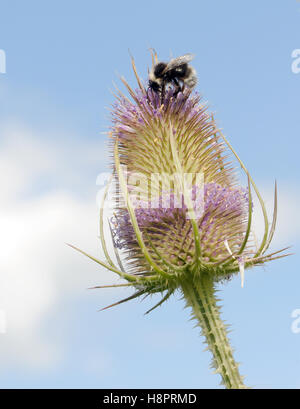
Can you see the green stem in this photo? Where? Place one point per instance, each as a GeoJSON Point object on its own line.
{"type": "Point", "coordinates": [200, 295]}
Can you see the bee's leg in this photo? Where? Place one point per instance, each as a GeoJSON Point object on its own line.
{"type": "Point", "coordinates": [162, 92]}
{"type": "Point", "coordinates": [150, 93]}
{"type": "Point", "coordinates": [178, 87]}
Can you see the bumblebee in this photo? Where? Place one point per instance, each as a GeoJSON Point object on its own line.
{"type": "Point", "coordinates": [177, 73]}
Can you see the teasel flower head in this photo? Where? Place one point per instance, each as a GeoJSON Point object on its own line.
{"type": "Point", "coordinates": [181, 219]}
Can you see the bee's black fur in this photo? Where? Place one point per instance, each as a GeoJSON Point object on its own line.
{"type": "Point", "coordinates": [154, 86]}
{"type": "Point", "coordinates": [174, 76]}
{"type": "Point", "coordinates": [159, 68]}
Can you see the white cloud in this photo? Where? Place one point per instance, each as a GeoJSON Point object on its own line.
{"type": "Point", "coordinates": [56, 162]}
{"type": "Point", "coordinates": [38, 271]}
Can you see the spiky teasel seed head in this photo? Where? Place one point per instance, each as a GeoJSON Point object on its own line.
{"type": "Point", "coordinates": [179, 209]}
{"type": "Point", "coordinates": [168, 232]}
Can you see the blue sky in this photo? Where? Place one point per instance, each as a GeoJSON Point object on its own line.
{"type": "Point", "coordinates": [62, 60]}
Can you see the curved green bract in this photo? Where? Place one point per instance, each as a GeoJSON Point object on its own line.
{"type": "Point", "coordinates": [249, 218]}
{"type": "Point", "coordinates": [102, 239]}
{"type": "Point", "coordinates": [264, 240]}
{"type": "Point", "coordinates": [186, 197]}
{"type": "Point", "coordinates": [134, 222]}
{"type": "Point", "coordinates": [128, 277]}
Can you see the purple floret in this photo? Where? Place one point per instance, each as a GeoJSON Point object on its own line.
{"type": "Point", "coordinates": [223, 206]}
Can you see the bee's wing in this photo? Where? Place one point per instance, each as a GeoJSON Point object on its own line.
{"type": "Point", "coordinates": [176, 62]}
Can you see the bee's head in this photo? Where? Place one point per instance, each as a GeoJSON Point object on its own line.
{"type": "Point", "coordinates": [158, 69]}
